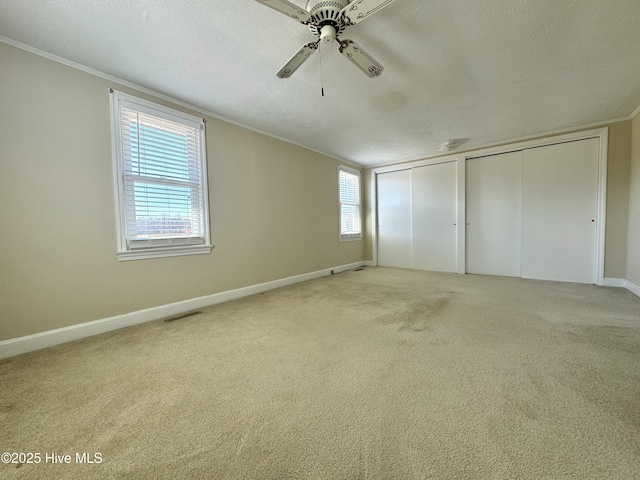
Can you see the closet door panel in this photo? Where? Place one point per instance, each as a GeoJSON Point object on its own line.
{"type": "Point", "coordinates": [494, 210]}
{"type": "Point", "coordinates": [560, 184]}
{"type": "Point", "coordinates": [394, 219]}
{"type": "Point", "coordinates": [434, 209]}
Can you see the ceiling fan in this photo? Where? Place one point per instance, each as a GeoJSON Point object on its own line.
{"type": "Point", "coordinates": [327, 19]}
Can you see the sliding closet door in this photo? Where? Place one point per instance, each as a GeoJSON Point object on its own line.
{"type": "Point", "coordinates": [494, 207]}
{"type": "Point", "coordinates": [394, 219]}
{"type": "Point", "coordinates": [559, 210]}
{"type": "Point", "coordinates": [434, 201]}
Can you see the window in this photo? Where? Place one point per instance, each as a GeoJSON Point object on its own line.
{"type": "Point", "coordinates": [160, 180]}
{"type": "Point", "coordinates": [349, 187]}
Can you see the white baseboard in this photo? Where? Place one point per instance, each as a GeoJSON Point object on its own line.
{"type": "Point", "coordinates": [370, 263]}
{"type": "Point", "coordinates": [632, 287]}
{"type": "Point", "coordinates": [621, 283]}
{"type": "Point", "coordinates": [37, 341]}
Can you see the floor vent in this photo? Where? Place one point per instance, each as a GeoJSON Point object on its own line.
{"type": "Point", "coordinates": [181, 316]}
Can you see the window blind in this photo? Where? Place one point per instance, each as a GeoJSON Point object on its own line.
{"type": "Point", "coordinates": [162, 169]}
{"type": "Point", "coordinates": [349, 183]}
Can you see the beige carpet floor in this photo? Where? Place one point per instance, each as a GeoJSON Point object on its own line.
{"type": "Point", "coordinates": [372, 374]}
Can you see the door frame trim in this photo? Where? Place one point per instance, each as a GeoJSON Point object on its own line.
{"type": "Point", "coordinates": [602, 134]}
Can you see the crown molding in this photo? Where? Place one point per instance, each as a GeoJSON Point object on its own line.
{"type": "Point", "coordinates": [553, 133]}
{"type": "Point", "coordinates": [168, 98]}
{"type": "Point", "coordinates": [209, 113]}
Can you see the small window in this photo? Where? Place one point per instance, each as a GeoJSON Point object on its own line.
{"type": "Point", "coordinates": [160, 180]}
{"type": "Point", "coordinates": [350, 218]}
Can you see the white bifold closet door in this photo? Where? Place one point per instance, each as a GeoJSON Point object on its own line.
{"type": "Point", "coordinates": [417, 218]}
{"type": "Point", "coordinates": [494, 209]}
{"type": "Point", "coordinates": [394, 219]}
{"type": "Point", "coordinates": [434, 202]}
{"type": "Point", "coordinates": [559, 205]}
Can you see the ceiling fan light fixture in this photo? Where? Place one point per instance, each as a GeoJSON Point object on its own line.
{"type": "Point", "coordinates": [328, 34]}
{"type": "Point", "coordinates": [328, 19]}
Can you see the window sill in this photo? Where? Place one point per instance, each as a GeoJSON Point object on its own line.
{"type": "Point", "coordinates": [143, 254]}
{"type": "Point", "coordinates": [351, 239]}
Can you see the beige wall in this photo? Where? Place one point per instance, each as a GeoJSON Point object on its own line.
{"type": "Point", "coordinates": [633, 258]}
{"type": "Point", "coordinates": [618, 167]}
{"type": "Point", "coordinates": [617, 201]}
{"type": "Point", "coordinates": [274, 207]}
{"type": "Point", "coordinates": [368, 229]}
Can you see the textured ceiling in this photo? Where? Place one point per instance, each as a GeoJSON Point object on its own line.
{"type": "Point", "coordinates": [480, 70]}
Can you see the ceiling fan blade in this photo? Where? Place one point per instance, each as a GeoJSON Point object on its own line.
{"type": "Point", "coordinates": [289, 9]}
{"type": "Point", "coordinates": [298, 59]}
{"type": "Point", "coordinates": [357, 11]}
{"type": "Point", "coordinates": [360, 58]}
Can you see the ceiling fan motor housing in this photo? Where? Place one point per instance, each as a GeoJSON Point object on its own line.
{"type": "Point", "coordinates": [327, 13]}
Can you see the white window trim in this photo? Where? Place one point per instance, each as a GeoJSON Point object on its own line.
{"type": "Point", "coordinates": [349, 237]}
{"type": "Point", "coordinates": [124, 252]}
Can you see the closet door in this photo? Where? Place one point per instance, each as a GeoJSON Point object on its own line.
{"type": "Point", "coordinates": [494, 208]}
{"type": "Point", "coordinates": [559, 205]}
{"type": "Point", "coordinates": [394, 219]}
{"type": "Point", "coordinates": [434, 200]}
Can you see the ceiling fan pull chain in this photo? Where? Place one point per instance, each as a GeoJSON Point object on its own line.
{"type": "Point", "coordinates": [327, 20]}
{"type": "Point", "coordinates": [321, 76]}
